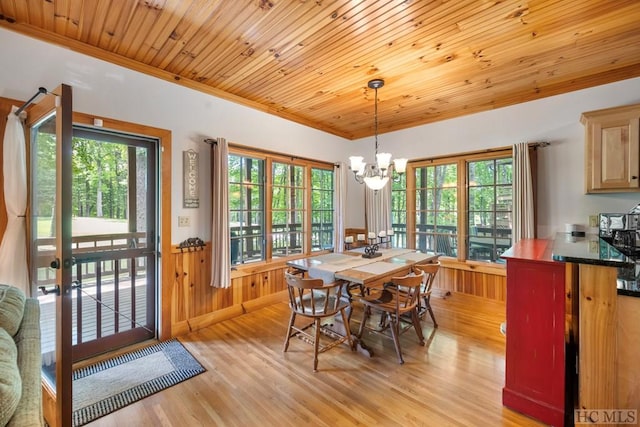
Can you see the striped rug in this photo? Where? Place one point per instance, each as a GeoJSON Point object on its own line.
{"type": "Point", "coordinates": [112, 384]}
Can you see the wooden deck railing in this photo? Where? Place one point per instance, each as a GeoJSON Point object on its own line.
{"type": "Point", "coordinates": [87, 247]}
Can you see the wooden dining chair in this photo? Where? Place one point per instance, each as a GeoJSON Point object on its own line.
{"type": "Point", "coordinates": [314, 300]}
{"type": "Point", "coordinates": [429, 272]}
{"type": "Point", "coordinates": [397, 299]}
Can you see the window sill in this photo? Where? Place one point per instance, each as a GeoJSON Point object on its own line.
{"type": "Point", "coordinates": [243, 270]}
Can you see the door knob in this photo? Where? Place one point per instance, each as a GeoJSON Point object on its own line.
{"type": "Point", "coordinates": [53, 290]}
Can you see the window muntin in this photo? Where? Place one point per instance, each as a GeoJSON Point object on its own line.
{"type": "Point", "coordinates": [490, 217]}
{"type": "Point", "coordinates": [436, 208]}
{"type": "Point", "coordinates": [287, 209]}
{"type": "Point", "coordinates": [322, 213]}
{"type": "Point", "coordinates": [246, 208]}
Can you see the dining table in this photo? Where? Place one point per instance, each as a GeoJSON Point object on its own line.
{"type": "Point", "coordinates": [361, 272]}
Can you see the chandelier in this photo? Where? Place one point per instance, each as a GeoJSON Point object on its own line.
{"type": "Point", "coordinates": [376, 175]}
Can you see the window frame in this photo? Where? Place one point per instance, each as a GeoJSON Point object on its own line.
{"type": "Point", "coordinates": [399, 210]}
{"type": "Point", "coordinates": [270, 157]}
{"type": "Point", "coordinates": [462, 161]}
{"type": "Point", "coordinates": [242, 248]}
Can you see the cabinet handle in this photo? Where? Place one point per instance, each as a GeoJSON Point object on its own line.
{"type": "Point", "coordinates": [634, 177]}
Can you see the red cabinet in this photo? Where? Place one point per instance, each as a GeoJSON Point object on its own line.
{"type": "Point", "coordinates": [535, 354]}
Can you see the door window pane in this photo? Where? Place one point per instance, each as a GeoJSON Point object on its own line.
{"type": "Point", "coordinates": [399, 210]}
{"type": "Point", "coordinates": [322, 213]}
{"type": "Point", "coordinates": [490, 208]}
{"type": "Point", "coordinates": [437, 208]}
{"type": "Point", "coordinates": [287, 209]}
{"type": "Point", "coordinates": [246, 208]}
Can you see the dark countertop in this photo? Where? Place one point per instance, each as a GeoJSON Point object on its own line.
{"type": "Point", "coordinates": [591, 249]}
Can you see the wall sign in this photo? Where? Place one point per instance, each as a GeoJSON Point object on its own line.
{"type": "Point", "coordinates": [191, 191]}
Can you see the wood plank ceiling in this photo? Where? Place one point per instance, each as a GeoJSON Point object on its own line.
{"type": "Point", "coordinates": [310, 60]}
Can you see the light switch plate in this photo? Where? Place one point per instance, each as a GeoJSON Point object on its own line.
{"type": "Point", "coordinates": [184, 221]}
{"type": "Point", "coordinates": [593, 220]}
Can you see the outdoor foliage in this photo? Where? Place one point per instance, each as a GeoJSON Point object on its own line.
{"type": "Point", "coordinates": [100, 174]}
{"type": "Point", "coordinates": [490, 192]}
{"type": "Point", "coordinates": [100, 177]}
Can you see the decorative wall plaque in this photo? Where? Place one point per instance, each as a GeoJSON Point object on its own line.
{"type": "Point", "coordinates": [191, 191]}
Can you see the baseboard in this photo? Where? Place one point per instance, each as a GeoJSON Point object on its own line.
{"type": "Point", "coordinates": [199, 322]}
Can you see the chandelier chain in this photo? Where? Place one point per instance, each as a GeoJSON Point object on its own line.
{"type": "Point", "coordinates": [375, 119]}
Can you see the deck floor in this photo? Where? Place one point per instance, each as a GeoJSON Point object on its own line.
{"type": "Point", "coordinates": [90, 308]}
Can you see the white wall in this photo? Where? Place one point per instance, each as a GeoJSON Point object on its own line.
{"type": "Point", "coordinates": [555, 119]}
{"type": "Point", "coordinates": [111, 91]}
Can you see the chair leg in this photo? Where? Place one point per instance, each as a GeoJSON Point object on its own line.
{"type": "Point", "coordinates": [395, 332]}
{"type": "Point", "coordinates": [417, 326]}
{"type": "Point", "coordinates": [433, 318]}
{"type": "Point", "coordinates": [316, 345]}
{"type": "Point", "coordinates": [291, 321]}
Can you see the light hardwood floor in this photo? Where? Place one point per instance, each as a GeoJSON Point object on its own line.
{"type": "Point", "coordinates": [455, 380]}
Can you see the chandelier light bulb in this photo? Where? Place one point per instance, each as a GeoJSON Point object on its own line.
{"type": "Point", "coordinates": [400, 165]}
{"type": "Point", "coordinates": [383, 160]}
{"type": "Point", "coordinates": [376, 182]}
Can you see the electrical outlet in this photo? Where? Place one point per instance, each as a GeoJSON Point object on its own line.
{"type": "Point", "coordinates": [594, 246]}
{"type": "Point", "coordinates": [184, 221]}
{"type": "Point", "coordinates": [593, 220]}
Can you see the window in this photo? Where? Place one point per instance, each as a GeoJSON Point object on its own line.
{"type": "Point", "coordinates": [246, 208]}
{"type": "Point", "coordinates": [459, 206]}
{"type": "Point", "coordinates": [278, 206]}
{"type": "Point", "coordinates": [489, 202]}
{"type": "Point", "coordinates": [287, 209]}
{"type": "Point", "coordinates": [399, 210]}
{"type": "Point", "coordinates": [321, 209]}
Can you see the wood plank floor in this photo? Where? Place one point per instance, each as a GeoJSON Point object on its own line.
{"type": "Point", "coordinates": [455, 380]}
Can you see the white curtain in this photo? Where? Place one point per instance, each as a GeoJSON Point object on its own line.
{"type": "Point", "coordinates": [523, 207]}
{"type": "Point", "coordinates": [13, 250]}
{"type": "Point", "coordinates": [377, 205]}
{"type": "Point", "coordinates": [220, 239]}
{"type": "Point", "coordinates": [339, 203]}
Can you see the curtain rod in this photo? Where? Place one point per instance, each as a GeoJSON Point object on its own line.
{"type": "Point", "coordinates": [539, 144]}
{"type": "Point", "coordinates": [213, 141]}
{"type": "Point", "coordinates": [41, 90]}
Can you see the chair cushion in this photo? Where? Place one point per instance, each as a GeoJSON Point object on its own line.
{"type": "Point", "coordinates": [11, 308]}
{"type": "Point", "coordinates": [10, 381]}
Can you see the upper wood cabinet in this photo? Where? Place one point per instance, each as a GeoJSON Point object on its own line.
{"type": "Point", "coordinates": [612, 149]}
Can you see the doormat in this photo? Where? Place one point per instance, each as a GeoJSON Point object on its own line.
{"type": "Point", "coordinates": [107, 386]}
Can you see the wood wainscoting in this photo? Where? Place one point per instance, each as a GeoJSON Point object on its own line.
{"type": "Point", "coordinates": [195, 304]}
{"type": "Point", "coordinates": [479, 279]}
